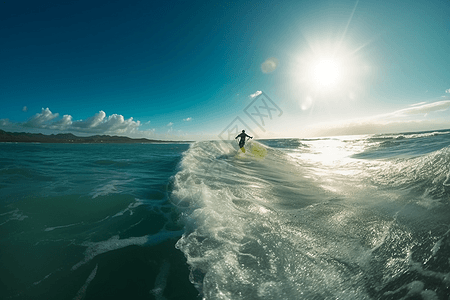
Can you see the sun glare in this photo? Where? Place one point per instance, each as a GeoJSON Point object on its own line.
{"type": "Point", "coordinates": [326, 73]}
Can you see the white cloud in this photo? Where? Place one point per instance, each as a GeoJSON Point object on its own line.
{"type": "Point", "coordinates": [5, 122]}
{"type": "Point", "coordinates": [374, 126]}
{"type": "Point", "coordinates": [117, 123]}
{"type": "Point", "coordinates": [24, 109]}
{"type": "Point", "coordinates": [114, 123]}
{"type": "Point", "coordinates": [91, 122]}
{"type": "Point", "coordinates": [98, 123]}
{"type": "Point", "coordinates": [42, 119]}
{"type": "Point", "coordinates": [65, 122]}
{"type": "Point", "coordinates": [256, 94]}
{"type": "Point", "coordinates": [415, 118]}
{"type": "Point", "coordinates": [416, 104]}
{"type": "Point", "coordinates": [447, 91]}
{"type": "Point", "coordinates": [422, 109]}
{"type": "Point", "coordinates": [187, 119]}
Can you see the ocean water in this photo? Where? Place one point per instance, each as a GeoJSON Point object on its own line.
{"type": "Point", "coordinates": [90, 221]}
{"type": "Point", "coordinates": [359, 217]}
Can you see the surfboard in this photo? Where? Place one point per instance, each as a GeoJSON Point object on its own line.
{"type": "Point", "coordinates": [243, 149]}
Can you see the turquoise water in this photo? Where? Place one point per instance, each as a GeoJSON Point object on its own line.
{"type": "Point", "coordinates": [73, 216]}
{"type": "Point", "coordinates": [360, 217]}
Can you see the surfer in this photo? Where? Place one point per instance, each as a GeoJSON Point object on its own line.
{"type": "Point", "coordinates": [242, 135]}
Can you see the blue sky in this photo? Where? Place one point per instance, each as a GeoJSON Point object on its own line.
{"type": "Point", "coordinates": [188, 69]}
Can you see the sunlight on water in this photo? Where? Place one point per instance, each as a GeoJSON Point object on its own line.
{"type": "Point", "coordinates": [312, 220]}
{"type": "Point", "coordinates": [364, 217]}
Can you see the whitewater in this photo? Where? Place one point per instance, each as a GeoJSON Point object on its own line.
{"type": "Point", "coordinates": [361, 217]}
{"type": "Point", "coordinates": [354, 217]}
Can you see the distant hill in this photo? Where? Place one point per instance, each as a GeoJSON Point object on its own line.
{"type": "Point", "coordinates": [69, 138]}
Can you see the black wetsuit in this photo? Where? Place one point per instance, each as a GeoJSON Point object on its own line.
{"type": "Point", "coordinates": [243, 135]}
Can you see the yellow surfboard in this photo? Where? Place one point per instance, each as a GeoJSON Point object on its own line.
{"type": "Point", "coordinates": [243, 149]}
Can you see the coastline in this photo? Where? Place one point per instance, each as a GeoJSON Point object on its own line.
{"type": "Point", "coordinates": [69, 138]}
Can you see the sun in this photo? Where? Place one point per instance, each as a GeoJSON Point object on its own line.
{"type": "Point", "coordinates": [326, 73]}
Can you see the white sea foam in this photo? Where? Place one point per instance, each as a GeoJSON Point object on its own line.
{"type": "Point", "coordinates": [96, 248]}
{"type": "Point", "coordinates": [112, 187]}
{"type": "Point", "coordinates": [327, 218]}
{"type": "Point", "coordinates": [298, 225]}
{"type": "Point", "coordinates": [161, 281]}
{"type": "Point", "coordinates": [39, 281]}
{"type": "Point", "coordinates": [16, 215]}
{"type": "Point", "coordinates": [240, 237]}
{"type": "Point", "coordinates": [130, 208]}
{"type": "Point", "coordinates": [59, 227]}
{"type": "Point", "coordinates": [82, 291]}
